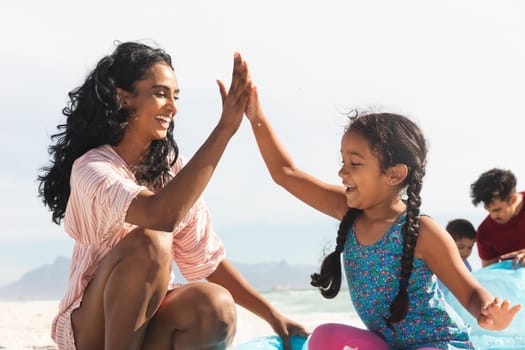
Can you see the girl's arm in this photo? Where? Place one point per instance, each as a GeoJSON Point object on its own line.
{"type": "Point", "coordinates": [163, 210]}
{"type": "Point", "coordinates": [244, 295]}
{"type": "Point", "coordinates": [438, 250]}
{"type": "Point", "coordinates": [327, 198]}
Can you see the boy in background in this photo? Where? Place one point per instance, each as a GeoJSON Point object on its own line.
{"type": "Point", "coordinates": [464, 234]}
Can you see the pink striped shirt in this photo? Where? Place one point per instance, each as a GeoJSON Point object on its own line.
{"type": "Point", "coordinates": [102, 188]}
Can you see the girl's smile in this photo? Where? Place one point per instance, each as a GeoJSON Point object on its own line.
{"type": "Point", "coordinates": [360, 172]}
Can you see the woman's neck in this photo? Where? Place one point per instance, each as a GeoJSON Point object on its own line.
{"type": "Point", "coordinates": [132, 151]}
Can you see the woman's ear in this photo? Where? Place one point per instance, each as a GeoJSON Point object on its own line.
{"type": "Point", "coordinates": [123, 96]}
{"type": "Point", "coordinates": [397, 174]}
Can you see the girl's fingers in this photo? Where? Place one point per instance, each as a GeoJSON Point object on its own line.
{"type": "Point", "coordinates": [497, 301]}
{"type": "Point", "coordinates": [514, 310]}
{"type": "Point", "coordinates": [505, 305]}
{"type": "Point", "coordinates": [222, 90]}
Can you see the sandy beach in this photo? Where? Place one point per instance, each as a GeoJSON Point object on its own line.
{"type": "Point", "coordinates": [26, 324]}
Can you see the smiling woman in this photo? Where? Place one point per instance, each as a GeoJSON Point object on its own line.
{"type": "Point", "coordinates": [152, 105]}
{"type": "Point", "coordinates": [132, 206]}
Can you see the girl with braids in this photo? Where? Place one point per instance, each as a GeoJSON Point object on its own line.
{"type": "Point", "coordinates": [132, 206]}
{"type": "Point", "coordinates": [391, 253]}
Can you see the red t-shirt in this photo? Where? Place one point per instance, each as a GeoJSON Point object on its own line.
{"type": "Point", "coordinates": [495, 239]}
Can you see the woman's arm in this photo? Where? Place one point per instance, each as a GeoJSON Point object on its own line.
{"type": "Point", "coordinates": [329, 199]}
{"type": "Point", "coordinates": [246, 296]}
{"type": "Point", "coordinates": [438, 250]}
{"type": "Point", "coordinates": [163, 210]}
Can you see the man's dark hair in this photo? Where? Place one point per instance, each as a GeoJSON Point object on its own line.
{"type": "Point", "coordinates": [493, 184]}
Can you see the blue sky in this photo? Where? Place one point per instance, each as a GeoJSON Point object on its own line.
{"type": "Point", "coordinates": [455, 67]}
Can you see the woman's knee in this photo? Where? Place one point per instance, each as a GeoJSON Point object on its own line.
{"type": "Point", "coordinates": [151, 250]}
{"type": "Point", "coordinates": [200, 314]}
{"type": "Point", "coordinates": [217, 312]}
{"type": "Point", "coordinates": [213, 314]}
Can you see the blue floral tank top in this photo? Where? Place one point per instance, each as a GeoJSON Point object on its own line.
{"type": "Point", "coordinates": [373, 280]}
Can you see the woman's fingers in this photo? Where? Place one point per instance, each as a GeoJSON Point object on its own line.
{"type": "Point", "coordinates": [239, 76]}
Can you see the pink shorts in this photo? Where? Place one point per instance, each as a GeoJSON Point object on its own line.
{"type": "Point", "coordinates": [333, 336]}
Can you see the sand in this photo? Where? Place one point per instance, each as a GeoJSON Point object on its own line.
{"type": "Point", "coordinates": [26, 325]}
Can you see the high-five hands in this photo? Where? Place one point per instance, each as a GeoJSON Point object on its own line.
{"type": "Point", "coordinates": [234, 100]}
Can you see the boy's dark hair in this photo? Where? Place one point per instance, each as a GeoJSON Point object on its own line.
{"type": "Point", "coordinates": [493, 184]}
{"type": "Point", "coordinates": [461, 228]}
{"type": "Point", "coordinates": [394, 139]}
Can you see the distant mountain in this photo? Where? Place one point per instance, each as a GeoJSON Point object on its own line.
{"type": "Point", "coordinates": [49, 282]}
{"type": "Point", "coordinates": [46, 282]}
{"type": "Point", "coordinates": [277, 275]}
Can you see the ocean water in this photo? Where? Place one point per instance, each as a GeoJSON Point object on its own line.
{"type": "Point", "coordinates": [307, 307]}
{"type": "Point", "coordinates": [310, 301]}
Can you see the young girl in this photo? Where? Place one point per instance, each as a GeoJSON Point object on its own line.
{"type": "Point", "coordinates": [132, 206]}
{"type": "Point", "coordinates": [390, 251]}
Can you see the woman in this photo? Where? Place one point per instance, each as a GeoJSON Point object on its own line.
{"type": "Point", "coordinates": [132, 206]}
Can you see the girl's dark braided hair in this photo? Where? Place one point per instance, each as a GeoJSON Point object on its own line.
{"type": "Point", "coordinates": [394, 139]}
{"type": "Point", "coordinates": [95, 117]}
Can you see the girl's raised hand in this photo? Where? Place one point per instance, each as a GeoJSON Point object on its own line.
{"type": "Point", "coordinates": [497, 315]}
{"type": "Point", "coordinates": [253, 107]}
{"type": "Point", "coordinates": [234, 100]}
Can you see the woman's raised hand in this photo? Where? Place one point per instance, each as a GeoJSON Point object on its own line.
{"type": "Point", "coordinates": [234, 100]}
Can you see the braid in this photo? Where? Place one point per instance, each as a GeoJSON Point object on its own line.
{"type": "Point", "coordinates": [410, 233]}
{"type": "Point", "coordinates": [329, 279]}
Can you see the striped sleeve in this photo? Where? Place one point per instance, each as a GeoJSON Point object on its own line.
{"type": "Point", "coordinates": [100, 198]}
{"type": "Point", "coordinates": [197, 249]}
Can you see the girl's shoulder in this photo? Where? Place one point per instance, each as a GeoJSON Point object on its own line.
{"type": "Point", "coordinates": [428, 227]}
{"type": "Point", "coordinates": [431, 235]}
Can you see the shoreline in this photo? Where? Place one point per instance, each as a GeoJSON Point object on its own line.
{"type": "Point", "coordinates": [26, 324]}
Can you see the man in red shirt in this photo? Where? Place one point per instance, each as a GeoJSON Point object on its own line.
{"type": "Point", "coordinates": [501, 235]}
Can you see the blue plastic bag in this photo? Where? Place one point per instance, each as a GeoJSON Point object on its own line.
{"type": "Point", "coordinates": [503, 281]}
{"type": "Point", "coordinates": [272, 342]}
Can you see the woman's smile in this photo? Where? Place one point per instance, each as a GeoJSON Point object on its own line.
{"type": "Point", "coordinates": [164, 121]}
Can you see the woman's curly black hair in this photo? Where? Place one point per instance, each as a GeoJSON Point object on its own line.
{"type": "Point", "coordinates": [95, 117]}
{"type": "Point", "coordinates": [394, 139]}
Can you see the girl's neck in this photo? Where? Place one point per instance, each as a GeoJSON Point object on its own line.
{"type": "Point", "coordinates": [385, 213]}
{"type": "Point", "coordinates": [372, 225]}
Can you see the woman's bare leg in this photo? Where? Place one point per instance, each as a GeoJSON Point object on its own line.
{"type": "Point", "coordinates": [199, 315]}
{"type": "Point", "coordinates": [125, 293]}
